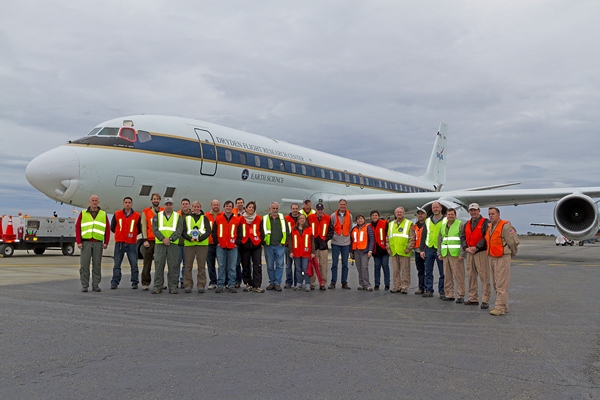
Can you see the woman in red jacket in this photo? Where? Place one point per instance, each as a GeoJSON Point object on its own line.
{"type": "Point", "coordinates": [249, 239]}
{"type": "Point", "coordinates": [301, 250]}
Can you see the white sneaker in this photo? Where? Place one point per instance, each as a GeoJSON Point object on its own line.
{"type": "Point", "coordinates": [212, 286]}
{"type": "Point", "coordinates": [307, 288]}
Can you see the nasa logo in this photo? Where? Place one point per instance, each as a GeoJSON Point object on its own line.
{"type": "Point", "coordinates": [440, 154]}
{"type": "Point", "coordinates": [245, 174]}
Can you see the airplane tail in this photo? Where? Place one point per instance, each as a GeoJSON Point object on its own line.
{"type": "Point", "coordinates": [436, 169]}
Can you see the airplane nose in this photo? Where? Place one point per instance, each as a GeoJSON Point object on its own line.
{"type": "Point", "coordinates": [55, 173]}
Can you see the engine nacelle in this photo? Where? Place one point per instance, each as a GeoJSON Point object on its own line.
{"type": "Point", "coordinates": [576, 217]}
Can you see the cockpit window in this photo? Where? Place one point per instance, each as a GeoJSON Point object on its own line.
{"type": "Point", "coordinates": [109, 132]}
{"type": "Point", "coordinates": [127, 134]}
{"type": "Point", "coordinates": [94, 131]}
{"type": "Point", "coordinates": [144, 136]}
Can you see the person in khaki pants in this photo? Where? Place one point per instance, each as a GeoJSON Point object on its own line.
{"type": "Point", "coordinates": [319, 222]}
{"type": "Point", "coordinates": [502, 242]}
{"type": "Point", "coordinates": [196, 231]}
{"type": "Point", "coordinates": [453, 257]}
{"type": "Point", "coordinates": [472, 239]}
{"type": "Point", "coordinates": [401, 240]}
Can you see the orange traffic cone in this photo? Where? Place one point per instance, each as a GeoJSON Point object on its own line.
{"type": "Point", "coordinates": [9, 235]}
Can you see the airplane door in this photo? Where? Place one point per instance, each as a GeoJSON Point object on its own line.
{"type": "Point", "coordinates": [208, 152]}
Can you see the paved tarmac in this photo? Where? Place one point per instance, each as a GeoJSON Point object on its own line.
{"type": "Point", "coordinates": [57, 342]}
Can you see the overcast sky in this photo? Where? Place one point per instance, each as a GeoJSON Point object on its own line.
{"type": "Point", "coordinates": [517, 82]}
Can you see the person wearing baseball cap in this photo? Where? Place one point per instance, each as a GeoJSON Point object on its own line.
{"type": "Point", "coordinates": [306, 207]}
{"type": "Point", "coordinates": [167, 228]}
{"type": "Point", "coordinates": [419, 260]}
{"type": "Point", "coordinates": [322, 232]}
{"type": "Point", "coordinates": [472, 240]}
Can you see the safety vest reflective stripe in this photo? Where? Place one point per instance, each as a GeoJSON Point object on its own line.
{"type": "Point", "coordinates": [267, 228]}
{"type": "Point", "coordinates": [450, 238]}
{"type": "Point", "coordinates": [433, 231]}
{"type": "Point", "coordinates": [162, 219]}
{"type": "Point", "coordinates": [398, 237]}
{"type": "Point", "coordinates": [393, 232]}
{"type": "Point", "coordinates": [254, 235]}
{"type": "Point", "coordinates": [301, 251]}
{"type": "Point", "coordinates": [131, 225]}
{"type": "Point", "coordinates": [323, 230]}
{"type": "Point", "coordinates": [221, 230]}
{"type": "Point", "coordinates": [296, 241]}
{"type": "Point", "coordinates": [190, 224]}
{"type": "Point", "coordinates": [360, 237]}
{"type": "Point", "coordinates": [167, 226]}
{"type": "Point", "coordinates": [319, 227]}
{"type": "Point", "coordinates": [227, 231]}
{"type": "Point", "coordinates": [93, 228]}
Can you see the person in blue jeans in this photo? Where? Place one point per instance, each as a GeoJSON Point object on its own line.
{"type": "Point", "coordinates": [275, 238]}
{"type": "Point", "coordinates": [290, 269]}
{"type": "Point", "coordinates": [381, 258]}
{"type": "Point", "coordinates": [224, 234]}
{"type": "Point", "coordinates": [431, 232]}
{"type": "Point", "coordinates": [341, 225]}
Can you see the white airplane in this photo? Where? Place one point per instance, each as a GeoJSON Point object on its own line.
{"type": "Point", "coordinates": [185, 158]}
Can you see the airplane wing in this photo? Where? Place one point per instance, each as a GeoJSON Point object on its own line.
{"type": "Point", "coordinates": [461, 198]}
{"type": "Point", "coordinates": [576, 214]}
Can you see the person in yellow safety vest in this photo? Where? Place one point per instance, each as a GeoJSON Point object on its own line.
{"type": "Point", "coordinates": [429, 250]}
{"type": "Point", "coordinates": [400, 243]}
{"type": "Point", "coordinates": [92, 234]}
{"type": "Point", "coordinates": [307, 207]}
{"type": "Point", "coordinates": [276, 236]}
{"type": "Point", "coordinates": [195, 234]}
{"type": "Point", "coordinates": [167, 227]}
{"type": "Point", "coordinates": [453, 256]}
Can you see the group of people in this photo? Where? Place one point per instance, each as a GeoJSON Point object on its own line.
{"type": "Point", "coordinates": [229, 244]}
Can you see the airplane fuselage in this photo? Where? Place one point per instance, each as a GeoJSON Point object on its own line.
{"type": "Point", "coordinates": [187, 158]}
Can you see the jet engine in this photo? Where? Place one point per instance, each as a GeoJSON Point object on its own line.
{"type": "Point", "coordinates": [576, 217]}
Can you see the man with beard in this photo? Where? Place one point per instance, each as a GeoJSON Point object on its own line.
{"type": "Point", "coordinates": [148, 235]}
